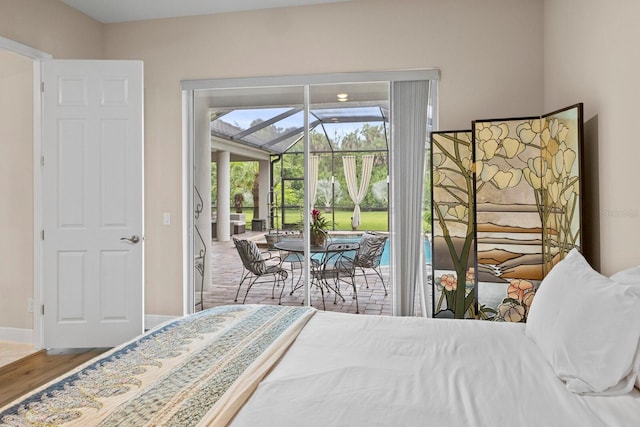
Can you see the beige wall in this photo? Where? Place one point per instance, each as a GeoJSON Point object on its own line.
{"type": "Point", "coordinates": [490, 54]}
{"type": "Point", "coordinates": [16, 190]}
{"type": "Point", "coordinates": [498, 58]}
{"type": "Point", "coordinates": [591, 55]}
{"type": "Point", "coordinates": [52, 27]}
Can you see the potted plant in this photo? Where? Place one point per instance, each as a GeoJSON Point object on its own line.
{"type": "Point", "coordinates": [318, 228]}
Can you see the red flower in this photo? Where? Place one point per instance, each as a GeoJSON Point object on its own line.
{"type": "Point", "coordinates": [318, 222]}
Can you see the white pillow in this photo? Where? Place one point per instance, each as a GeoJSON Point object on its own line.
{"type": "Point", "coordinates": [630, 276]}
{"type": "Point", "coordinates": [587, 327]}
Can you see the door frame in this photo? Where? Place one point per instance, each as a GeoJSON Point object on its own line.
{"type": "Point", "coordinates": [37, 56]}
{"type": "Point", "coordinates": [189, 87]}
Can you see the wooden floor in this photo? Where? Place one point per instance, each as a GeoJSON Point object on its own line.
{"type": "Point", "coordinates": [37, 369]}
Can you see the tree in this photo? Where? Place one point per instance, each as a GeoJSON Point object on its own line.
{"type": "Point", "coordinates": [380, 191]}
{"type": "Point", "coordinates": [326, 196]}
{"type": "Point", "coordinates": [242, 178]}
{"type": "Point", "coordinates": [366, 139]}
{"type": "Point", "coordinates": [214, 184]}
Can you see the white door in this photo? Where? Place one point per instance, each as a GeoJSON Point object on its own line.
{"type": "Point", "coordinates": [92, 202]}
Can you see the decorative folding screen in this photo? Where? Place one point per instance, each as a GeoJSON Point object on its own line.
{"type": "Point", "coordinates": [527, 208]}
{"type": "Point", "coordinates": [453, 231]}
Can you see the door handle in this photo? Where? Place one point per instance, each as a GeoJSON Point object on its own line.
{"type": "Point", "coordinates": [133, 239]}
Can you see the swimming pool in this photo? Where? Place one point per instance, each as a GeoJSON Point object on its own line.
{"type": "Point", "coordinates": [385, 254]}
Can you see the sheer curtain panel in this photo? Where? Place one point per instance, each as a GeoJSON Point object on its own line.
{"type": "Point", "coordinates": [313, 179]}
{"type": "Point", "coordinates": [357, 194]}
{"type": "Point", "coordinates": [409, 102]}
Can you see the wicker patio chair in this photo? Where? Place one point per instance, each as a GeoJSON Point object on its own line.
{"type": "Point", "coordinates": [336, 266]}
{"type": "Point", "coordinates": [256, 266]}
{"type": "Point", "coordinates": [369, 255]}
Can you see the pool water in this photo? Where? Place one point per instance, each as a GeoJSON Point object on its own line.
{"type": "Point", "coordinates": [385, 254]}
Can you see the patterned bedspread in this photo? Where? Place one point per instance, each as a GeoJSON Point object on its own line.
{"type": "Point", "coordinates": [180, 374]}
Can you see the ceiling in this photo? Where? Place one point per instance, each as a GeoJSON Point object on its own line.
{"type": "Point", "coordinates": [111, 11]}
{"type": "Point", "coordinates": [272, 118]}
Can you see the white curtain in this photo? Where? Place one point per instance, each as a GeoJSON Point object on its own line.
{"type": "Point", "coordinates": [409, 101]}
{"type": "Point", "coordinates": [357, 194]}
{"type": "Point", "coordinates": [313, 180]}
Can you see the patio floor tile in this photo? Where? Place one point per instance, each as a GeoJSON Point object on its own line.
{"type": "Point", "coordinates": [227, 272]}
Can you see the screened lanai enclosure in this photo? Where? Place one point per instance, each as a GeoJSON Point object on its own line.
{"type": "Point", "coordinates": [266, 152]}
{"type": "Point", "coordinates": [349, 144]}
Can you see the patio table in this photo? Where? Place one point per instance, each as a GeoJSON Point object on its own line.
{"type": "Point", "coordinates": [331, 253]}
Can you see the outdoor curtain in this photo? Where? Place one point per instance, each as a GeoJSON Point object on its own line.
{"type": "Point", "coordinates": [357, 194]}
{"type": "Point", "coordinates": [313, 180]}
{"type": "Point", "coordinates": [407, 166]}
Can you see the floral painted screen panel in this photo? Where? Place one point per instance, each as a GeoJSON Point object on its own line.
{"type": "Point", "coordinates": [509, 222]}
{"type": "Point", "coordinates": [527, 206]}
{"type": "Point", "coordinates": [561, 139]}
{"type": "Point", "coordinates": [453, 232]}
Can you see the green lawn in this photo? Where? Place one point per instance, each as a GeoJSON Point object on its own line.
{"type": "Point", "coordinates": [369, 220]}
{"type": "Point", "coordinates": [375, 221]}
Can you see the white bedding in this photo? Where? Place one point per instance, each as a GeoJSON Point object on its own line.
{"type": "Point", "coordinates": [347, 370]}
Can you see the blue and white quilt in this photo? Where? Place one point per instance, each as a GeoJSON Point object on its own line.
{"type": "Point", "coordinates": [196, 370]}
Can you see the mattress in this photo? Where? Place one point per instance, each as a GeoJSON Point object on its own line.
{"type": "Point", "coordinates": [349, 370]}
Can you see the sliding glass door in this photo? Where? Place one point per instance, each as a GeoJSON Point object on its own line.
{"type": "Point", "coordinates": [271, 159]}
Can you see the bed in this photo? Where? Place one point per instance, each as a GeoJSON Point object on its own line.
{"type": "Point", "coordinates": [253, 365]}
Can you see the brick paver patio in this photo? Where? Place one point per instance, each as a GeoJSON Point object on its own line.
{"type": "Point", "coordinates": [227, 271]}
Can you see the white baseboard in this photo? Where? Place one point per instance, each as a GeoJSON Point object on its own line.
{"type": "Point", "coordinates": [26, 335]}
{"type": "Point", "coordinates": [16, 335]}
{"type": "Point", "coordinates": [153, 320]}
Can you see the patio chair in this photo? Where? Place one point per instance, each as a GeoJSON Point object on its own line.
{"type": "Point", "coordinates": [337, 265]}
{"type": "Point", "coordinates": [369, 255]}
{"type": "Point", "coordinates": [255, 266]}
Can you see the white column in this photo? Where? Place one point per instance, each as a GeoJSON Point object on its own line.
{"type": "Point", "coordinates": [224, 195]}
{"type": "Point", "coordinates": [265, 185]}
